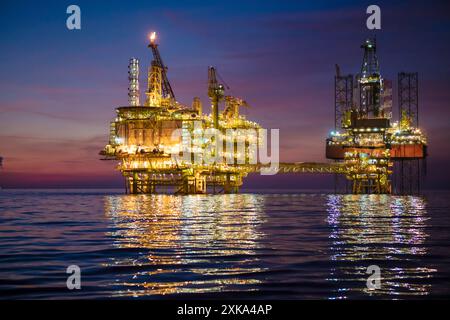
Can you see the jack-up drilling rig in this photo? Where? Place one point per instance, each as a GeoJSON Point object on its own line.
{"type": "Point", "coordinates": [366, 141]}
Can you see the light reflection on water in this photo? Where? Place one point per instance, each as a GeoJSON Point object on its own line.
{"type": "Point", "coordinates": [381, 230]}
{"type": "Point", "coordinates": [210, 244]}
{"type": "Point", "coordinates": [270, 246]}
{"type": "Point", "coordinates": [189, 240]}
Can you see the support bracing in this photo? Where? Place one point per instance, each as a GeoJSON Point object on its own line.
{"type": "Point", "coordinates": [408, 175]}
{"type": "Point", "coordinates": [343, 98]}
{"type": "Point", "coordinates": [408, 97]}
{"type": "Point", "coordinates": [408, 172]}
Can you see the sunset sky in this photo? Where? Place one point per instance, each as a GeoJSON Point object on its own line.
{"type": "Point", "coordinates": [59, 88]}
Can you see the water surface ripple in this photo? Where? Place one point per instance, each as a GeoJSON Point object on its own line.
{"type": "Point", "coordinates": [292, 246]}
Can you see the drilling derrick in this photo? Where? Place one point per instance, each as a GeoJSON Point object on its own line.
{"type": "Point", "coordinates": [369, 160]}
{"type": "Point", "coordinates": [359, 138]}
{"type": "Point", "coordinates": [369, 81]}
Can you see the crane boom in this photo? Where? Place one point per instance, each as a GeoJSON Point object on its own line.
{"type": "Point", "coordinates": [157, 60]}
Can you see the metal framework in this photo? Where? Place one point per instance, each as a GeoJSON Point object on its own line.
{"type": "Point", "coordinates": [386, 99]}
{"type": "Point", "coordinates": [183, 180]}
{"type": "Point", "coordinates": [133, 78]}
{"type": "Point", "coordinates": [215, 93]}
{"type": "Point", "coordinates": [370, 81]}
{"type": "Point", "coordinates": [408, 172]}
{"type": "Point", "coordinates": [343, 104]}
{"type": "Point", "coordinates": [343, 98]}
{"type": "Point", "coordinates": [167, 91]}
{"type": "Point", "coordinates": [407, 176]}
{"type": "Point", "coordinates": [366, 141]}
{"type": "Point", "coordinates": [408, 96]}
{"type": "Point", "coordinates": [363, 145]}
{"type": "Point", "coordinates": [154, 92]}
{"type": "Point", "coordinates": [303, 167]}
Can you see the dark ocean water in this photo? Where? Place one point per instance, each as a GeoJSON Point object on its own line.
{"type": "Point", "coordinates": [292, 245]}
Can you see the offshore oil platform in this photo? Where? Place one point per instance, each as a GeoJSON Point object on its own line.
{"type": "Point", "coordinates": [364, 145]}
{"type": "Point", "coordinates": [141, 136]}
{"type": "Point", "coordinates": [381, 156]}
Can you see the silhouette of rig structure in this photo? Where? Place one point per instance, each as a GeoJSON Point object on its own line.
{"type": "Point", "coordinates": [365, 147]}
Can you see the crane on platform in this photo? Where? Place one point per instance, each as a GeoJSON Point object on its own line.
{"type": "Point", "coordinates": [232, 105]}
{"type": "Point", "coordinates": [216, 92]}
{"type": "Point", "coordinates": [166, 88]}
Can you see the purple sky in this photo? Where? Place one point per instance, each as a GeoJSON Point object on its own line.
{"type": "Point", "coordinates": [59, 88]}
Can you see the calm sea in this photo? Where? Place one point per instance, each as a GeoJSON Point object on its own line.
{"type": "Point", "coordinates": [296, 245]}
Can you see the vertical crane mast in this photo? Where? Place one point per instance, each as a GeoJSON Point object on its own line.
{"type": "Point", "coordinates": [167, 91]}
{"type": "Point", "coordinates": [215, 93]}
